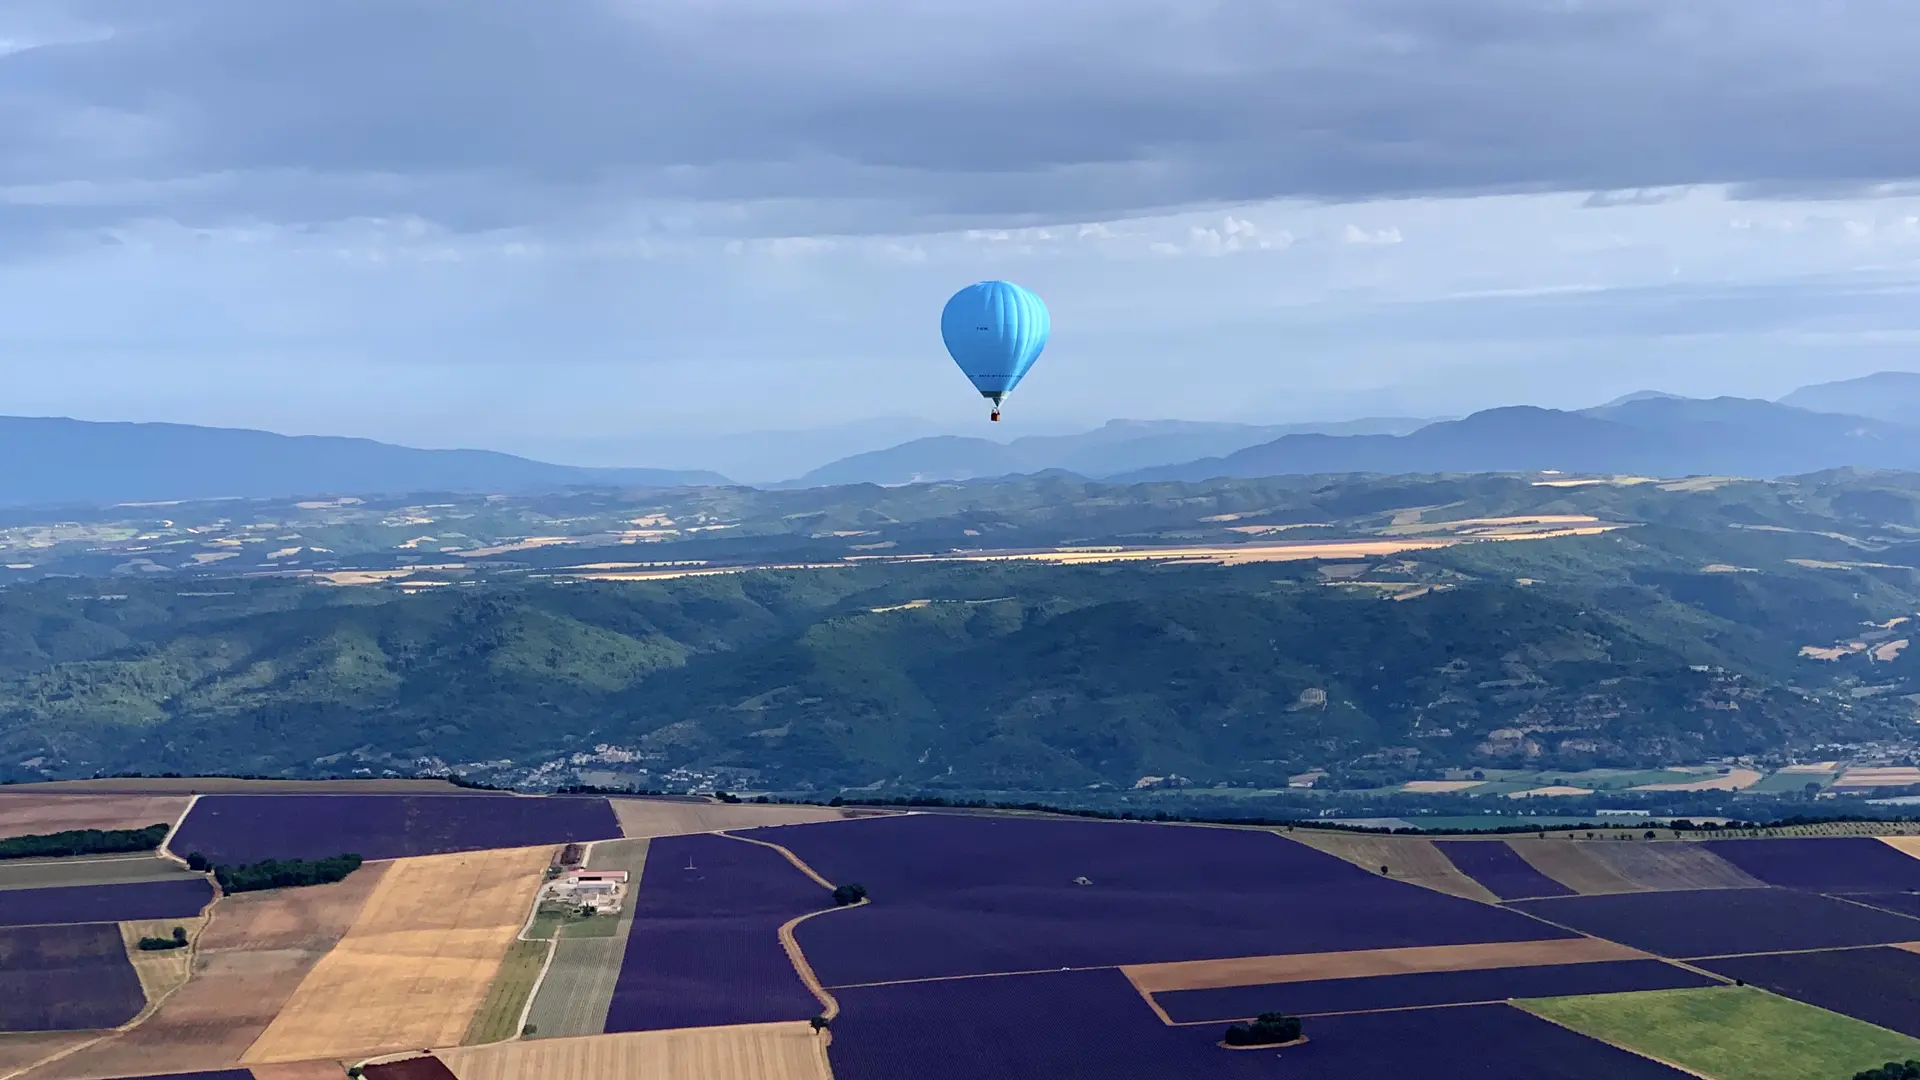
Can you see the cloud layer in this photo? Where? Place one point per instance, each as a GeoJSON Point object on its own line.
{"type": "Point", "coordinates": [776, 117]}
{"type": "Point", "coordinates": [633, 223]}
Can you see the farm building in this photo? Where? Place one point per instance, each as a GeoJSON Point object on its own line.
{"type": "Point", "coordinates": [601, 890]}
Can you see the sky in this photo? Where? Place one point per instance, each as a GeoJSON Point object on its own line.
{"type": "Point", "coordinates": [610, 231]}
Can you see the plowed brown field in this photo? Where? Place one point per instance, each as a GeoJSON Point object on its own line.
{"type": "Point", "coordinates": [253, 954]}
{"type": "Point", "coordinates": [28, 815]}
{"type": "Point", "coordinates": [18, 1050]}
{"type": "Point", "coordinates": [651, 817]}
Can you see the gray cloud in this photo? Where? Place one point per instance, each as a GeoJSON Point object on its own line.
{"type": "Point", "coordinates": [895, 115]}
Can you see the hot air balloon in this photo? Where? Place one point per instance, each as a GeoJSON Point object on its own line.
{"type": "Point", "coordinates": [994, 331]}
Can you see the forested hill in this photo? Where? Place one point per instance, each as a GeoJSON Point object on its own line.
{"type": "Point", "coordinates": [1681, 636]}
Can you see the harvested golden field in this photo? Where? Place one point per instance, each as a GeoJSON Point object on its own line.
{"type": "Point", "coordinates": [1408, 858]}
{"type": "Point", "coordinates": [1308, 967]}
{"type": "Point", "coordinates": [704, 571]}
{"type": "Point", "coordinates": [160, 971]}
{"type": "Point", "coordinates": [1906, 845]}
{"type": "Point", "coordinates": [1818, 768]}
{"type": "Point", "coordinates": [1617, 481]}
{"type": "Point", "coordinates": [250, 958]}
{"type": "Point", "coordinates": [659, 817]}
{"type": "Point", "coordinates": [1575, 864]}
{"type": "Point", "coordinates": [783, 1051]}
{"type": "Point", "coordinates": [416, 964]}
{"type": "Point", "coordinates": [1864, 777]}
{"type": "Point", "coordinates": [1736, 780]}
{"type": "Point", "coordinates": [1498, 527]}
{"type": "Point", "coordinates": [25, 810]}
{"type": "Point", "coordinates": [1429, 787]}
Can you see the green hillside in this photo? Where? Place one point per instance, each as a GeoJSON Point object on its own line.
{"type": "Point", "coordinates": [1672, 640]}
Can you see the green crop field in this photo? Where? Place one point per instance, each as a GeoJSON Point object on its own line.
{"type": "Point", "coordinates": [1732, 1033]}
{"type": "Point", "coordinates": [499, 1014]}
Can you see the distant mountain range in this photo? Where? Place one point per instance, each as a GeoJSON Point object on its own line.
{"type": "Point", "coordinates": [1872, 422]}
{"type": "Point", "coordinates": [1888, 395]}
{"type": "Point", "coordinates": [1118, 446]}
{"type": "Point", "coordinates": [54, 460]}
{"type": "Point", "coordinates": [1651, 435]}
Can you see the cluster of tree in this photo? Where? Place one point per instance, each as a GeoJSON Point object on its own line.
{"type": "Point", "coordinates": [162, 944]}
{"type": "Point", "coordinates": [82, 842]}
{"type": "Point", "coordinates": [844, 895]}
{"type": "Point", "coordinates": [276, 873]}
{"type": "Point", "coordinates": [1892, 1070]}
{"type": "Point", "coordinates": [1267, 1029]}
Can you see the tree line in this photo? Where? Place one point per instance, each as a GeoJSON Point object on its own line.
{"type": "Point", "coordinates": [82, 842]}
{"type": "Point", "coordinates": [1892, 1070]}
{"type": "Point", "coordinates": [276, 873]}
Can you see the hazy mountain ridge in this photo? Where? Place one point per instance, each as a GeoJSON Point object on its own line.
{"type": "Point", "coordinates": [79, 461]}
{"type": "Point", "coordinates": [1872, 422]}
{"type": "Point", "coordinates": [1648, 435]}
{"type": "Point", "coordinates": [1116, 447]}
{"type": "Point", "coordinates": [1884, 395]}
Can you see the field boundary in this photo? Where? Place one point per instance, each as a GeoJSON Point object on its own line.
{"type": "Point", "coordinates": [207, 915]}
{"type": "Point", "coordinates": [165, 851]}
{"type": "Point", "coordinates": [1367, 963]}
{"type": "Point", "coordinates": [829, 1005]}
{"type": "Point", "coordinates": [798, 863]}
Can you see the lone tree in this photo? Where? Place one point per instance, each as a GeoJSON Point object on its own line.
{"type": "Point", "coordinates": [821, 1023]}
{"type": "Point", "coordinates": [1266, 1030]}
{"type": "Point", "coordinates": [844, 895]}
{"type": "Point", "coordinates": [198, 863]}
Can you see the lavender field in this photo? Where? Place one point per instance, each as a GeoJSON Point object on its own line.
{"type": "Point", "coordinates": [66, 978]}
{"type": "Point", "coordinates": [1720, 922]}
{"type": "Point", "coordinates": [1500, 868]}
{"type": "Point", "coordinates": [1426, 988]}
{"type": "Point", "coordinates": [1880, 986]}
{"type": "Point", "coordinates": [704, 948]}
{"type": "Point", "coordinates": [1027, 1027]}
{"type": "Point", "coordinates": [961, 895]}
{"type": "Point", "coordinates": [177, 899]}
{"type": "Point", "coordinates": [233, 829]}
{"type": "Point", "coordinates": [1092, 1024]}
{"type": "Point", "coordinates": [1824, 864]}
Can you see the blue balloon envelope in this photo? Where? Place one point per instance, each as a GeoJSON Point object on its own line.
{"type": "Point", "coordinates": [995, 331]}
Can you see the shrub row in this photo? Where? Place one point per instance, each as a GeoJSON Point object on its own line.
{"type": "Point", "coordinates": [82, 842]}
